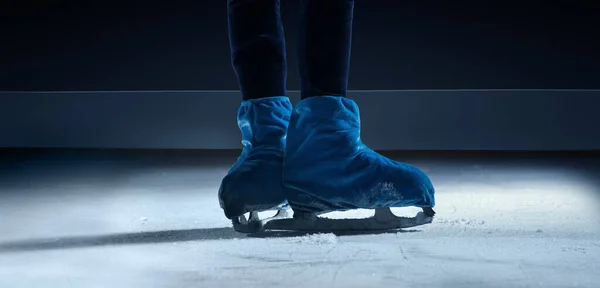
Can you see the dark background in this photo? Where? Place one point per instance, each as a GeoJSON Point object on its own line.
{"type": "Point", "coordinates": [183, 45]}
{"type": "Point", "coordinates": [108, 49]}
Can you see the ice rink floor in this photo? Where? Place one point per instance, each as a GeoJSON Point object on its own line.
{"type": "Point", "coordinates": [103, 219]}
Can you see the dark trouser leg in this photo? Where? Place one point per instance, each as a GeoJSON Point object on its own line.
{"type": "Point", "coordinates": [257, 46]}
{"type": "Point", "coordinates": [324, 47]}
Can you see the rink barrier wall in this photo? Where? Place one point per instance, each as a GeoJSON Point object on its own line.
{"type": "Point", "coordinates": [546, 120]}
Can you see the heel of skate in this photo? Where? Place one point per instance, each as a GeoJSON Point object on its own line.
{"type": "Point", "coordinates": [254, 224]}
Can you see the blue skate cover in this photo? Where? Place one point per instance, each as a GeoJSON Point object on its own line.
{"type": "Point", "coordinates": [328, 168]}
{"type": "Point", "coordinates": [254, 182]}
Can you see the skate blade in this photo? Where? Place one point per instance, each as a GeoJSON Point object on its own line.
{"type": "Point", "coordinates": [254, 224]}
{"type": "Point", "coordinates": [383, 219]}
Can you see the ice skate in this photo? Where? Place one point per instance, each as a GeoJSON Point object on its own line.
{"type": "Point", "coordinates": [253, 184]}
{"type": "Point", "coordinates": [327, 168]}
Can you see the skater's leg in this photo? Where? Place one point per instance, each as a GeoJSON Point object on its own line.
{"type": "Point", "coordinates": [258, 56]}
{"type": "Point", "coordinates": [257, 46]}
{"type": "Point", "coordinates": [324, 47]}
{"type": "Point", "coordinates": [326, 166]}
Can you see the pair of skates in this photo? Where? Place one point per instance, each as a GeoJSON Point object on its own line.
{"type": "Point", "coordinates": [326, 168]}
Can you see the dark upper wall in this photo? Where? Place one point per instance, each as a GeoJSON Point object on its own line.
{"type": "Point", "coordinates": [145, 45]}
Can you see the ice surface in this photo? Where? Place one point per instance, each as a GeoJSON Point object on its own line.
{"type": "Point", "coordinates": [126, 224]}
